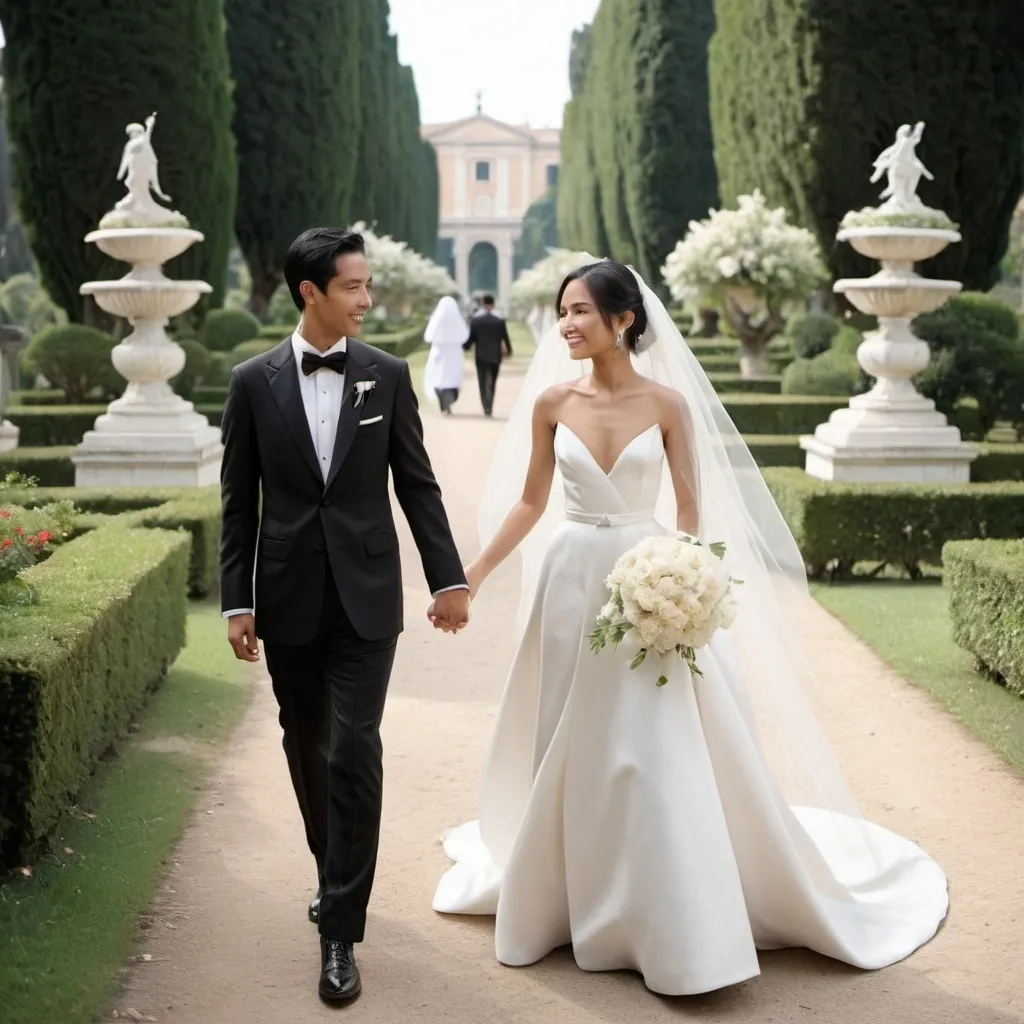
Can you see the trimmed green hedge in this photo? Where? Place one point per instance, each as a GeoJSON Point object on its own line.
{"type": "Point", "coordinates": [211, 394]}
{"type": "Point", "coordinates": [38, 396]}
{"type": "Point", "coordinates": [905, 525]}
{"type": "Point", "coordinates": [52, 467]}
{"type": "Point", "coordinates": [784, 414]}
{"type": "Point", "coordinates": [985, 580]}
{"type": "Point", "coordinates": [75, 667]}
{"type": "Point", "coordinates": [195, 510]}
{"type": "Point", "coordinates": [49, 426]}
{"type": "Point", "coordinates": [199, 515]}
{"type": "Point", "coordinates": [736, 383]}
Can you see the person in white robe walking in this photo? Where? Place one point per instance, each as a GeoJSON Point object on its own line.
{"type": "Point", "coordinates": [446, 332]}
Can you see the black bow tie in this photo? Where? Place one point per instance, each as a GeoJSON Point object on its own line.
{"type": "Point", "coordinates": [311, 362]}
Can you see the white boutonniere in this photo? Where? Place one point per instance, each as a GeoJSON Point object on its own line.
{"type": "Point", "coordinates": [363, 388]}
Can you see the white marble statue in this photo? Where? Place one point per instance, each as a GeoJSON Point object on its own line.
{"type": "Point", "coordinates": [904, 171]}
{"type": "Point", "coordinates": [138, 171]}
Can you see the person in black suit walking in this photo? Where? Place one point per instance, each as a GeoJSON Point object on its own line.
{"type": "Point", "coordinates": [489, 333]}
{"type": "Point", "coordinates": [315, 427]}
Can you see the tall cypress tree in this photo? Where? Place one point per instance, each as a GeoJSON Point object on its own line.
{"type": "Point", "coordinates": [297, 122]}
{"type": "Point", "coordinates": [610, 80]}
{"type": "Point", "coordinates": [667, 152]}
{"type": "Point", "coordinates": [578, 206]}
{"type": "Point", "coordinates": [639, 133]}
{"type": "Point", "coordinates": [429, 212]}
{"type": "Point", "coordinates": [369, 187]}
{"type": "Point", "coordinates": [795, 116]}
{"type": "Point", "coordinates": [73, 79]}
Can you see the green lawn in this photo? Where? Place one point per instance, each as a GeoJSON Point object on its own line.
{"type": "Point", "coordinates": [66, 929]}
{"type": "Point", "coordinates": [907, 623]}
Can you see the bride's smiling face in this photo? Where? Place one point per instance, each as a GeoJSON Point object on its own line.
{"type": "Point", "coordinates": [582, 325]}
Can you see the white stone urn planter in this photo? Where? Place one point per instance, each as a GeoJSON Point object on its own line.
{"type": "Point", "coordinates": [893, 433]}
{"type": "Point", "coordinates": [150, 436]}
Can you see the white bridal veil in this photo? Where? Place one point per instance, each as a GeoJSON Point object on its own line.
{"type": "Point", "coordinates": [736, 507]}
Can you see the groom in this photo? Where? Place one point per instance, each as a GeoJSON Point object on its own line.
{"type": "Point", "coordinates": [312, 428]}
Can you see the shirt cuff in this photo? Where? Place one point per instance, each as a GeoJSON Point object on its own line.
{"type": "Point", "coordinates": [444, 590]}
{"type": "Point", "coordinates": [236, 611]}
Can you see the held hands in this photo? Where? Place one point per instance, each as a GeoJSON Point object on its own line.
{"type": "Point", "coordinates": [449, 611]}
{"type": "Point", "coordinates": [242, 637]}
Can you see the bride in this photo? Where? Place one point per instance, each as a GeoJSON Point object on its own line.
{"type": "Point", "coordinates": [671, 830]}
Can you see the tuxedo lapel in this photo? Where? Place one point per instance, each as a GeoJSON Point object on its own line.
{"type": "Point", "coordinates": [283, 377]}
{"type": "Point", "coordinates": [348, 418]}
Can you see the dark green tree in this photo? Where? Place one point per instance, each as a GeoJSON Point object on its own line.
{"type": "Point", "coordinates": [430, 199]}
{"type": "Point", "coordinates": [637, 135]}
{"type": "Point", "coordinates": [75, 75]}
{"type": "Point", "coordinates": [369, 187]}
{"type": "Point", "coordinates": [578, 204]}
{"type": "Point", "coordinates": [668, 164]}
{"type": "Point", "coordinates": [796, 115]}
{"type": "Point", "coordinates": [540, 231]}
{"type": "Point", "coordinates": [15, 256]}
{"type": "Point", "coordinates": [297, 122]}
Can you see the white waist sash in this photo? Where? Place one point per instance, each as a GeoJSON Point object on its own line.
{"type": "Point", "coordinates": [609, 518]}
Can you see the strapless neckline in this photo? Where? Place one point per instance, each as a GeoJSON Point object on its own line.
{"type": "Point", "coordinates": [629, 444]}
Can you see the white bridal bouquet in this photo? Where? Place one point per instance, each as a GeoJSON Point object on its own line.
{"type": "Point", "coordinates": [670, 594]}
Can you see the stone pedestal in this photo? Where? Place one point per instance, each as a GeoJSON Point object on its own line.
{"type": "Point", "coordinates": [139, 442]}
{"type": "Point", "coordinates": [12, 341]}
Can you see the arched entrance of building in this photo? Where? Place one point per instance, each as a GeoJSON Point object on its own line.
{"type": "Point", "coordinates": [483, 268]}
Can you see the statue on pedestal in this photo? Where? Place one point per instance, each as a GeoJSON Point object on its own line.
{"type": "Point", "coordinates": [138, 170]}
{"type": "Point", "coordinates": [904, 171]}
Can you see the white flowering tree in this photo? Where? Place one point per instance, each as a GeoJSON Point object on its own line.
{"type": "Point", "coordinates": [749, 263]}
{"type": "Point", "coordinates": [534, 291]}
{"type": "Point", "coordinates": [403, 280]}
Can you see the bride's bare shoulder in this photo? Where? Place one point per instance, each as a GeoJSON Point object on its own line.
{"type": "Point", "coordinates": [668, 399]}
{"type": "Point", "coordinates": [551, 399]}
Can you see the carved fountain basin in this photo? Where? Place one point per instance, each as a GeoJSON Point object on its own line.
{"type": "Point", "coordinates": [898, 245]}
{"type": "Point", "coordinates": [144, 245]}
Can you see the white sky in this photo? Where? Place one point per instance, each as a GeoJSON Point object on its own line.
{"type": "Point", "coordinates": [515, 51]}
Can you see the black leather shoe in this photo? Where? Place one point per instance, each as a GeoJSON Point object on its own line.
{"type": "Point", "coordinates": [314, 905]}
{"type": "Point", "coordinates": [339, 976]}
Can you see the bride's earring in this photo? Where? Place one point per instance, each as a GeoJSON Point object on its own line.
{"type": "Point", "coordinates": [618, 340]}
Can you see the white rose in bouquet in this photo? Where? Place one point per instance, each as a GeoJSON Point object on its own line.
{"type": "Point", "coordinates": [669, 595]}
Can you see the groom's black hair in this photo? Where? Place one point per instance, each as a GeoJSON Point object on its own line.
{"type": "Point", "coordinates": [313, 257]}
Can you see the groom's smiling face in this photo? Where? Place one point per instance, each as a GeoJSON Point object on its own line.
{"type": "Point", "coordinates": [348, 297]}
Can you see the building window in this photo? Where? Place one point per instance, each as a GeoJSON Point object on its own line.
{"type": "Point", "coordinates": [483, 170]}
{"type": "Point", "coordinates": [552, 175]}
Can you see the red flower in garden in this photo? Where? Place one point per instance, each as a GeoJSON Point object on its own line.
{"type": "Point", "coordinates": [6, 544]}
{"type": "Point", "coordinates": [4, 514]}
{"type": "Point", "coordinates": [19, 531]}
{"type": "Point", "coordinates": [44, 536]}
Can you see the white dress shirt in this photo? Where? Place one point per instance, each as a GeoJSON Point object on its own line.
{"type": "Point", "coordinates": [323, 393]}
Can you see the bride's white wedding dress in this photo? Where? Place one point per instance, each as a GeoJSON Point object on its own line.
{"type": "Point", "coordinates": [642, 824]}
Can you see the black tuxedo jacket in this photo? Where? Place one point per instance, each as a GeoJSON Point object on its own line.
{"type": "Point", "coordinates": [275, 552]}
{"type": "Point", "coordinates": [489, 333]}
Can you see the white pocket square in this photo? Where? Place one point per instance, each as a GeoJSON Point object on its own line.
{"type": "Point", "coordinates": [372, 419]}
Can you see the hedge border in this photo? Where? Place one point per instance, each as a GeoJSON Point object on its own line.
{"type": "Point", "coordinates": [904, 525]}
{"type": "Point", "coordinates": [76, 666]}
{"type": "Point", "coordinates": [194, 510]}
{"type": "Point", "coordinates": [985, 582]}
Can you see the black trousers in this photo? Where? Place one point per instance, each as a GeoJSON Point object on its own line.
{"type": "Point", "coordinates": [487, 375]}
{"type": "Point", "coordinates": [331, 694]}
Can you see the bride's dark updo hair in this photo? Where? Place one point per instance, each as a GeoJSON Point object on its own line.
{"type": "Point", "coordinates": [615, 291]}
